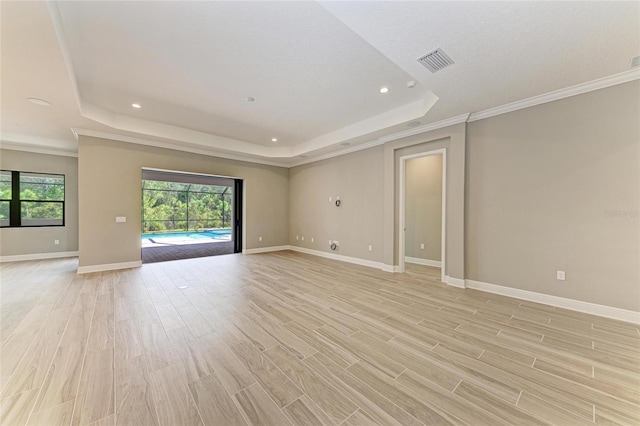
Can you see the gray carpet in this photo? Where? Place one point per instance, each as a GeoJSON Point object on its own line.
{"type": "Point", "coordinates": [185, 251]}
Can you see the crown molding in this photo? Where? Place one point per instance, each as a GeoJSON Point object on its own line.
{"type": "Point", "coordinates": [426, 128]}
{"type": "Point", "coordinates": [36, 149]}
{"type": "Point", "coordinates": [345, 151]}
{"type": "Point", "coordinates": [384, 139]}
{"type": "Point", "coordinates": [578, 89]}
{"type": "Point", "coordinates": [177, 147]}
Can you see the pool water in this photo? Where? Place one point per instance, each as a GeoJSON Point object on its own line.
{"type": "Point", "coordinates": [192, 237]}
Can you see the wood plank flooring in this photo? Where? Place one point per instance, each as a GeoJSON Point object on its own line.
{"type": "Point", "coordinates": [287, 338]}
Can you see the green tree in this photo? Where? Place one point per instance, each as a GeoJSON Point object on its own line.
{"type": "Point", "coordinates": [166, 206]}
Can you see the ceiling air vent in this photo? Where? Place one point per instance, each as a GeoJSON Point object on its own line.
{"type": "Point", "coordinates": [435, 60]}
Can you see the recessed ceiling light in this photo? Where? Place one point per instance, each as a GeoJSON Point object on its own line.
{"type": "Point", "coordinates": [274, 139]}
{"type": "Point", "coordinates": [384, 90]}
{"type": "Point", "coordinates": [250, 99]}
{"type": "Point", "coordinates": [137, 106]}
{"type": "Point", "coordinates": [413, 124]}
{"type": "Point", "coordinates": [345, 144]}
{"type": "Point", "coordinates": [39, 101]}
{"type": "Point", "coordinates": [411, 84]}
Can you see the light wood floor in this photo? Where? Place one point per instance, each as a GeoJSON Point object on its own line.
{"type": "Point", "coordinates": [286, 338]}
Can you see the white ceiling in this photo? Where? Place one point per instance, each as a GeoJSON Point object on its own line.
{"type": "Point", "coordinates": [313, 68]}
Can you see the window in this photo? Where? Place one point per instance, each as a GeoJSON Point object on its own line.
{"type": "Point", "coordinates": [5, 197]}
{"type": "Point", "coordinates": [31, 199]}
{"type": "Point", "coordinates": [177, 206]}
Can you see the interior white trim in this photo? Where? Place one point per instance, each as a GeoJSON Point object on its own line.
{"type": "Point", "coordinates": [612, 80]}
{"type": "Point", "coordinates": [38, 256]}
{"type": "Point", "coordinates": [419, 261]}
{"type": "Point", "coordinates": [265, 249]}
{"type": "Point", "coordinates": [345, 151]}
{"type": "Point", "coordinates": [109, 267]}
{"type": "Point", "coordinates": [401, 208]}
{"type": "Point", "coordinates": [561, 302]}
{"type": "Point", "coordinates": [175, 146]}
{"type": "Point", "coordinates": [578, 89]}
{"type": "Point", "coordinates": [426, 128]}
{"type": "Point", "coordinates": [454, 282]}
{"type": "Point", "coordinates": [188, 173]}
{"type": "Point", "coordinates": [349, 259]}
{"type": "Point", "coordinates": [413, 111]}
{"type": "Point", "coordinates": [36, 149]}
{"type": "Point", "coordinates": [384, 139]}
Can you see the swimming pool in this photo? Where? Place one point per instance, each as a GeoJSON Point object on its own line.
{"type": "Point", "coordinates": [193, 237]}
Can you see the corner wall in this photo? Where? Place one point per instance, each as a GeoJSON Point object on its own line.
{"type": "Point", "coordinates": [557, 187]}
{"type": "Point", "coordinates": [546, 188]}
{"type": "Point", "coordinates": [357, 179]}
{"type": "Point", "coordinates": [36, 241]}
{"type": "Point", "coordinates": [423, 208]}
{"type": "Point", "coordinates": [110, 176]}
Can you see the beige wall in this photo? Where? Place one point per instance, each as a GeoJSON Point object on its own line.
{"type": "Point", "coordinates": [547, 188]}
{"type": "Point", "coordinates": [423, 207]}
{"type": "Point", "coordinates": [540, 182]}
{"type": "Point", "coordinates": [24, 241]}
{"type": "Point", "coordinates": [110, 186]}
{"type": "Point", "coordinates": [452, 139]}
{"type": "Point", "coordinates": [357, 179]}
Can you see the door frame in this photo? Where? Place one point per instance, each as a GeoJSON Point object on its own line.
{"type": "Point", "coordinates": [402, 219]}
{"type": "Point", "coordinates": [239, 215]}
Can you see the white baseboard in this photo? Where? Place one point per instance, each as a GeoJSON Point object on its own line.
{"type": "Point", "coordinates": [334, 256]}
{"type": "Point", "coordinates": [265, 249]}
{"type": "Point", "coordinates": [38, 256]}
{"type": "Point", "coordinates": [561, 302]}
{"type": "Point", "coordinates": [454, 282]}
{"type": "Point", "coordinates": [427, 262]}
{"type": "Point", "coordinates": [109, 267]}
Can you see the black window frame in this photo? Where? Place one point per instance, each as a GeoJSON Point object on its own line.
{"type": "Point", "coordinates": [15, 203]}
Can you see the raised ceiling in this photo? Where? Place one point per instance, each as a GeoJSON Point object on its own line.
{"type": "Point", "coordinates": [313, 68]}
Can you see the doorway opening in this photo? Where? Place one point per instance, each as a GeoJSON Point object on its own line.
{"type": "Point", "coordinates": [188, 215]}
{"type": "Point", "coordinates": [422, 236]}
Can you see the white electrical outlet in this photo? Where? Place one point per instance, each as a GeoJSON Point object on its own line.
{"type": "Point", "coordinates": [121, 219]}
{"type": "Point", "coordinates": [330, 199]}
{"type": "Point", "coordinates": [303, 238]}
{"type": "Point", "coordinates": [560, 275]}
{"type": "Point", "coordinates": [312, 240]}
{"type": "Point", "coordinates": [297, 237]}
{"type": "Point", "coordinates": [422, 246]}
{"type": "Point", "coordinates": [370, 247]}
{"type": "Point", "coordinates": [56, 242]}
{"type": "Point", "coordinates": [259, 238]}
